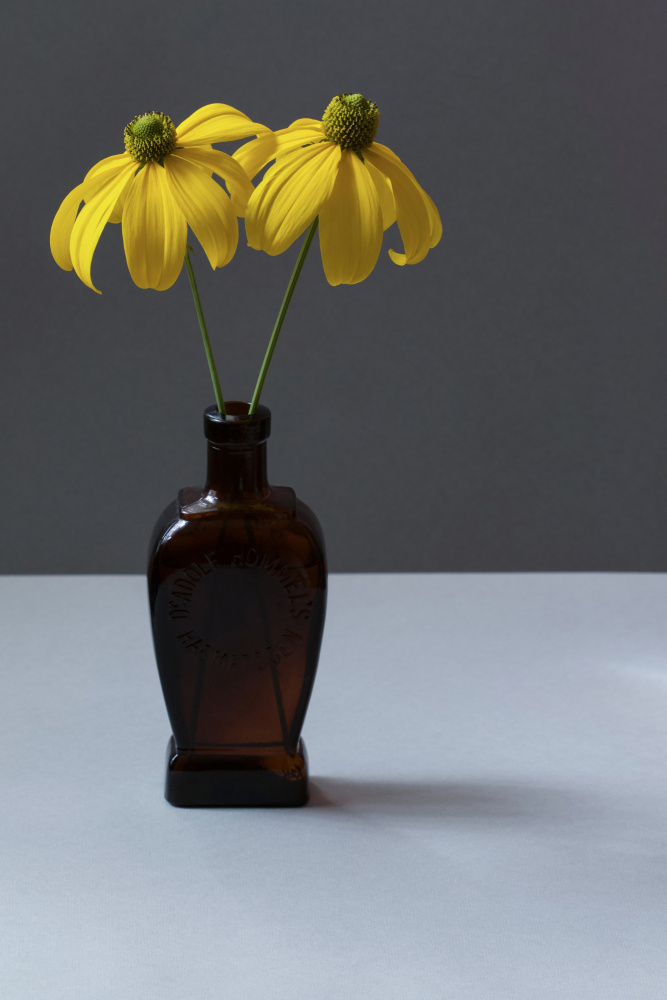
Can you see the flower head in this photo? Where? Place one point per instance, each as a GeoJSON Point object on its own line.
{"type": "Point", "coordinates": [351, 121]}
{"type": "Point", "coordinates": [158, 187]}
{"type": "Point", "coordinates": [150, 137]}
{"type": "Point", "coordinates": [334, 169]}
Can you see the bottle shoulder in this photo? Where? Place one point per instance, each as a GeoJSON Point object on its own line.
{"type": "Point", "coordinates": [195, 503]}
{"type": "Point", "coordinates": [278, 524]}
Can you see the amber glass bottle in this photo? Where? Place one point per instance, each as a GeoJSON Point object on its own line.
{"type": "Point", "coordinates": [237, 588]}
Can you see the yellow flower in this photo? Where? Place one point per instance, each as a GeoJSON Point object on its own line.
{"type": "Point", "coordinates": [158, 187]}
{"type": "Point", "coordinates": [333, 169]}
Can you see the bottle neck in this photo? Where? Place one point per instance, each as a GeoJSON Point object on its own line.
{"type": "Point", "coordinates": [237, 472]}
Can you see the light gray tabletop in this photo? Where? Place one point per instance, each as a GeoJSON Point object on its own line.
{"type": "Point", "coordinates": [488, 817]}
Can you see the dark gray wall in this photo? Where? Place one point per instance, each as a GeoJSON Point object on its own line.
{"type": "Point", "coordinates": [500, 406]}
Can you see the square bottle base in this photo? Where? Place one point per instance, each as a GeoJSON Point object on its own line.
{"type": "Point", "coordinates": [198, 778]}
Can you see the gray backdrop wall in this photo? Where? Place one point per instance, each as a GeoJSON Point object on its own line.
{"type": "Point", "coordinates": [500, 406]}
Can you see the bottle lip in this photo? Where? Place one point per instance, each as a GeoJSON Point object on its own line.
{"type": "Point", "coordinates": [237, 426]}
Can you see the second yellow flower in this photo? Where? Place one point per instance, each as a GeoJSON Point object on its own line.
{"type": "Point", "coordinates": [333, 169]}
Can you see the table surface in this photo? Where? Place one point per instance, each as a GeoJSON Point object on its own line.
{"type": "Point", "coordinates": [488, 814]}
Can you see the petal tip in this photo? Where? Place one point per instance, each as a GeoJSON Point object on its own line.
{"type": "Point", "coordinates": [398, 258]}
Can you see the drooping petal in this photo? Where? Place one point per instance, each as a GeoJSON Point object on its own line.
{"type": "Point", "coordinates": [117, 212]}
{"type": "Point", "coordinates": [61, 228]}
{"type": "Point", "coordinates": [154, 230]}
{"type": "Point", "coordinates": [412, 212]}
{"type": "Point", "coordinates": [92, 219]}
{"type": "Point", "coordinates": [290, 196]}
{"type": "Point", "coordinates": [300, 133]}
{"type": "Point", "coordinates": [143, 237]}
{"type": "Point", "coordinates": [214, 161]}
{"type": "Point", "coordinates": [433, 218]}
{"type": "Point", "coordinates": [385, 194]}
{"type": "Point", "coordinates": [351, 224]}
{"type": "Point", "coordinates": [315, 124]}
{"type": "Point", "coordinates": [216, 123]}
{"type": "Point", "coordinates": [258, 152]}
{"type": "Point", "coordinates": [206, 207]}
{"type": "Point", "coordinates": [103, 170]}
{"type": "Point", "coordinates": [205, 113]}
{"type": "Point", "coordinates": [175, 234]}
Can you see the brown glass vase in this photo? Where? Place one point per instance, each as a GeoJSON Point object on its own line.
{"type": "Point", "coordinates": [237, 588]}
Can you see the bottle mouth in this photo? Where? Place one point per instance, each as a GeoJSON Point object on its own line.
{"type": "Point", "coordinates": [237, 426]}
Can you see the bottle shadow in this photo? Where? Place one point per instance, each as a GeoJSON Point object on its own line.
{"type": "Point", "coordinates": [489, 800]}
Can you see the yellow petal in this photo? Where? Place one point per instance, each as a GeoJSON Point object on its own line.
{"type": "Point", "coordinates": [205, 113]}
{"type": "Point", "coordinates": [308, 123]}
{"type": "Point", "coordinates": [61, 229]}
{"type": "Point", "coordinates": [294, 138]}
{"type": "Point", "coordinates": [206, 207]}
{"type": "Point", "coordinates": [290, 196]}
{"type": "Point", "coordinates": [385, 194]}
{"type": "Point", "coordinates": [258, 152]}
{"type": "Point", "coordinates": [299, 133]}
{"type": "Point", "coordinates": [351, 224]}
{"type": "Point", "coordinates": [216, 123]}
{"type": "Point", "coordinates": [92, 219]}
{"type": "Point", "coordinates": [117, 212]}
{"type": "Point", "coordinates": [175, 234]}
{"type": "Point", "coordinates": [103, 170]}
{"type": "Point", "coordinates": [433, 218]}
{"type": "Point", "coordinates": [214, 161]}
{"type": "Point", "coordinates": [412, 212]}
{"type": "Point", "coordinates": [154, 230]}
{"type": "Point", "coordinates": [101, 173]}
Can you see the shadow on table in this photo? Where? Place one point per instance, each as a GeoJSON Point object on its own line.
{"type": "Point", "coordinates": [449, 800]}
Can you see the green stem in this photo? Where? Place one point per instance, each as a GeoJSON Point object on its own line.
{"type": "Point", "coordinates": [281, 316]}
{"type": "Point", "coordinates": [204, 332]}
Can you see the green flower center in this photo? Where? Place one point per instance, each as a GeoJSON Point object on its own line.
{"type": "Point", "coordinates": [150, 137]}
{"type": "Point", "coordinates": [351, 121]}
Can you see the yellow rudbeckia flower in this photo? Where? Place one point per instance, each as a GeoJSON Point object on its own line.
{"type": "Point", "coordinates": [158, 187]}
{"type": "Point", "coordinates": [335, 170]}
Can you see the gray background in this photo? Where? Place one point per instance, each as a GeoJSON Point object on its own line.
{"type": "Point", "coordinates": [500, 406]}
